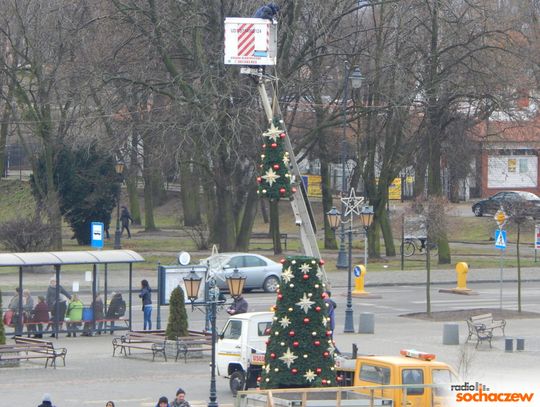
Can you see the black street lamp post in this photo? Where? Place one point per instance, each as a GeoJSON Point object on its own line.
{"type": "Point", "coordinates": [119, 167]}
{"type": "Point", "coordinates": [192, 282]}
{"type": "Point", "coordinates": [356, 81]}
{"type": "Point", "coordinates": [334, 219]}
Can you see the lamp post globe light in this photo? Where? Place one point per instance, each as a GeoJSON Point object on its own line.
{"type": "Point", "coordinates": [192, 283]}
{"type": "Point", "coordinates": [119, 167]}
{"type": "Point", "coordinates": [356, 81]}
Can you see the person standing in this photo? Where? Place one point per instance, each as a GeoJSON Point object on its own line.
{"type": "Point", "coordinates": [51, 293]}
{"type": "Point", "coordinates": [239, 306]}
{"type": "Point", "coordinates": [180, 400]}
{"type": "Point", "coordinates": [41, 315]}
{"type": "Point", "coordinates": [117, 309]}
{"type": "Point", "coordinates": [331, 307]}
{"type": "Point", "coordinates": [146, 296]}
{"type": "Point", "coordinates": [125, 218]}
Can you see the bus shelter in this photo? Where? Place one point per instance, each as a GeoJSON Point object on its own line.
{"type": "Point", "coordinates": [57, 260]}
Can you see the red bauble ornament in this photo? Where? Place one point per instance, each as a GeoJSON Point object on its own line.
{"type": "Point", "coordinates": [317, 343]}
{"type": "Point", "coordinates": [280, 296]}
{"type": "Point", "coordinates": [264, 145]}
{"type": "Point", "coordinates": [259, 378]}
{"type": "Point", "coordinates": [339, 378]}
{"type": "Point", "coordinates": [275, 167]}
{"type": "Point", "coordinates": [292, 189]}
{"type": "Point", "coordinates": [328, 333]}
{"type": "Point", "coordinates": [291, 333]}
{"type": "Point", "coordinates": [323, 381]}
{"type": "Point", "coordinates": [326, 354]}
{"type": "Point", "coordinates": [282, 191]}
{"type": "Point", "coordinates": [273, 145]}
{"type": "Point", "coordinates": [294, 370]}
{"type": "Point", "coordinates": [259, 180]}
{"type": "Point", "coordinates": [296, 344]}
{"type": "Point", "coordinates": [321, 262]}
{"type": "Point", "coordinates": [305, 276]}
{"type": "Point", "coordinates": [282, 261]}
{"type": "Point", "coordinates": [306, 320]}
{"type": "Point", "coordinates": [273, 355]}
{"type": "Point", "coordinates": [282, 135]}
{"type": "Point", "coordinates": [267, 342]}
{"type": "Point", "coordinates": [318, 370]}
{"type": "Point", "coordinates": [267, 331]}
{"type": "Point", "coordinates": [318, 309]}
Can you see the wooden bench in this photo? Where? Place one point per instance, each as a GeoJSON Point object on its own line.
{"type": "Point", "coordinates": [487, 321]}
{"type": "Point", "coordinates": [266, 236]}
{"type": "Point", "coordinates": [479, 332]}
{"type": "Point", "coordinates": [32, 348]}
{"type": "Point", "coordinates": [192, 343]}
{"type": "Point", "coordinates": [140, 340]}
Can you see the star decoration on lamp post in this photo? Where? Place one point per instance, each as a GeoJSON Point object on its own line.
{"type": "Point", "coordinates": [288, 358]}
{"type": "Point", "coordinates": [352, 204]}
{"type": "Point", "coordinates": [270, 176]}
{"type": "Point", "coordinates": [273, 132]}
{"type": "Point", "coordinates": [305, 303]}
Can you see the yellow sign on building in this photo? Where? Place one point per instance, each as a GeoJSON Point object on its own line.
{"type": "Point", "coordinates": [394, 190]}
{"type": "Point", "coordinates": [314, 188]}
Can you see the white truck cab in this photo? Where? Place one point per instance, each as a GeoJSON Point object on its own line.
{"type": "Point", "coordinates": [241, 342]}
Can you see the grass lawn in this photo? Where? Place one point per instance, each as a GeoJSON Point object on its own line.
{"type": "Point", "coordinates": [469, 236]}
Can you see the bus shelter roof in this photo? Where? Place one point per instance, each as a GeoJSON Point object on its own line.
{"type": "Point", "coordinates": [69, 258]}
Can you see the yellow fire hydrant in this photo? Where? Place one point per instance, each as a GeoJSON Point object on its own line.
{"type": "Point", "coordinates": [360, 274]}
{"type": "Point", "coordinates": [462, 269]}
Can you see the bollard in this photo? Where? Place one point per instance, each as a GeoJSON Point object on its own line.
{"type": "Point", "coordinates": [508, 345]}
{"type": "Point", "coordinates": [520, 344]}
{"type": "Point", "coordinates": [450, 334]}
{"type": "Point", "coordinates": [462, 269]}
{"type": "Point", "coordinates": [359, 280]}
{"type": "Point", "coordinates": [367, 323]}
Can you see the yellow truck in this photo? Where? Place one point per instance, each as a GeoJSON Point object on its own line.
{"type": "Point", "coordinates": [411, 379]}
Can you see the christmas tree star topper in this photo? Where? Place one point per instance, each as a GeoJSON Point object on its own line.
{"type": "Point", "coordinates": [272, 133]}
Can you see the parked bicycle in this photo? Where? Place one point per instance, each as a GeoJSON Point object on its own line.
{"type": "Point", "coordinates": [413, 244]}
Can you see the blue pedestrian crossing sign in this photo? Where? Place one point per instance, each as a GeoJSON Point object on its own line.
{"type": "Point", "coordinates": [500, 239]}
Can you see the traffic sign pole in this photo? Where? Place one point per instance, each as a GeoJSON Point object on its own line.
{"type": "Point", "coordinates": [500, 243]}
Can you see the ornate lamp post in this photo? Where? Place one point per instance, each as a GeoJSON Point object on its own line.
{"type": "Point", "coordinates": [119, 167]}
{"type": "Point", "coordinates": [192, 282]}
{"type": "Point", "coordinates": [351, 206]}
{"type": "Point", "coordinates": [356, 81]}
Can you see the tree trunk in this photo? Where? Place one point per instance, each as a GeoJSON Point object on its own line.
{"type": "Point", "coordinates": [274, 226]}
{"type": "Point", "coordinates": [149, 223]}
{"type": "Point", "coordinates": [226, 231]}
{"type": "Point", "coordinates": [250, 211]}
{"type": "Point", "coordinates": [329, 235]}
{"type": "Point", "coordinates": [131, 181]}
{"type": "Point", "coordinates": [210, 209]}
{"type": "Point", "coordinates": [386, 230]}
{"type": "Point", "coordinates": [189, 187]}
{"type": "Point", "coordinates": [51, 200]}
{"type": "Point", "coordinates": [4, 127]}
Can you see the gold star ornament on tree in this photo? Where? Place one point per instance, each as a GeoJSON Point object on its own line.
{"type": "Point", "coordinates": [270, 176]}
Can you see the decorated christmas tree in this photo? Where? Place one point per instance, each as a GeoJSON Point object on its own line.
{"type": "Point", "coordinates": [299, 352]}
{"type": "Point", "coordinates": [275, 180]}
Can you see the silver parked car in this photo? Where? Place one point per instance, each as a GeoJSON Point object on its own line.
{"type": "Point", "coordinates": [260, 271]}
